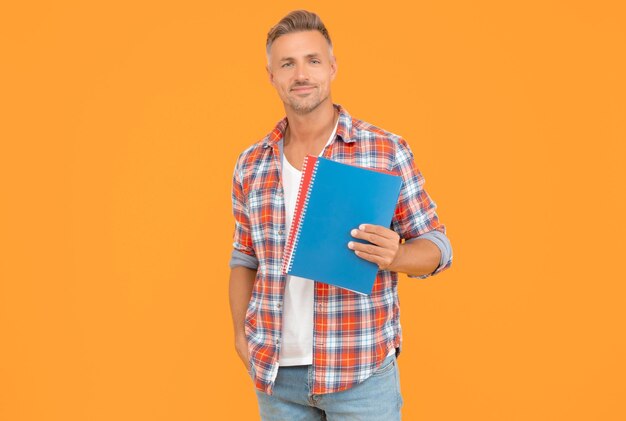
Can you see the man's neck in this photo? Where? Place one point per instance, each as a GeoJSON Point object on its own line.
{"type": "Point", "coordinates": [308, 129]}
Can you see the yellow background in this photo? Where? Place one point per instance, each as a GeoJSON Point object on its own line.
{"type": "Point", "coordinates": [120, 126]}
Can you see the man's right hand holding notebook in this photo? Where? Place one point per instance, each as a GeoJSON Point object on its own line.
{"type": "Point", "coordinates": [385, 250]}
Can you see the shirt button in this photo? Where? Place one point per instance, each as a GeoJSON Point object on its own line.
{"type": "Point", "coordinates": [281, 232]}
{"type": "Point", "coordinates": [279, 305]}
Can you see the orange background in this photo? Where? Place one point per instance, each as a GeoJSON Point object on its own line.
{"type": "Point", "coordinates": [120, 126]}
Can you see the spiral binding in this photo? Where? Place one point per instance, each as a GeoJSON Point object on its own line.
{"type": "Point", "coordinates": [295, 226]}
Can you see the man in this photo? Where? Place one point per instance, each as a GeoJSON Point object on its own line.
{"type": "Point", "coordinates": [316, 351]}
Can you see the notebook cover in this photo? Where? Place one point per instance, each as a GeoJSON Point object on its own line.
{"type": "Point", "coordinates": [307, 172]}
{"type": "Point", "coordinates": [340, 198]}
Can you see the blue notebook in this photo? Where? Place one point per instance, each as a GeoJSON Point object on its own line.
{"type": "Point", "coordinates": [334, 198]}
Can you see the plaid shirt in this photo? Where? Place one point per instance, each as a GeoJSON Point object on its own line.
{"type": "Point", "coordinates": [352, 333]}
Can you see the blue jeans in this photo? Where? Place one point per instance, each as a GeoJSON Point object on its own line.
{"type": "Point", "coordinates": [378, 398]}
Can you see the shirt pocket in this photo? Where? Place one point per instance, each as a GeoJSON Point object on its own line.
{"type": "Point", "coordinates": [267, 223]}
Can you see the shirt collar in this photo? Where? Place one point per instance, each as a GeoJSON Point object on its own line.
{"type": "Point", "coordinates": [344, 128]}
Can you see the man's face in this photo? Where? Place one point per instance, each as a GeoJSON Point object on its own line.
{"type": "Point", "coordinates": [301, 68]}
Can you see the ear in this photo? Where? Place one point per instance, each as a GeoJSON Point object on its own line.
{"type": "Point", "coordinates": [270, 75]}
{"type": "Point", "coordinates": [333, 67]}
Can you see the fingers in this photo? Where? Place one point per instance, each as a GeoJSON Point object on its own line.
{"type": "Point", "coordinates": [382, 256]}
{"type": "Point", "coordinates": [241, 346]}
{"type": "Point", "coordinates": [376, 234]}
{"type": "Point", "coordinates": [366, 248]}
{"type": "Point", "coordinates": [379, 230]}
{"type": "Point", "coordinates": [379, 260]}
{"type": "Point", "coordinates": [383, 248]}
{"type": "Point", "coordinates": [369, 236]}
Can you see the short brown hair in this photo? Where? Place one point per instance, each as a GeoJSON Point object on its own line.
{"type": "Point", "coordinates": [296, 21]}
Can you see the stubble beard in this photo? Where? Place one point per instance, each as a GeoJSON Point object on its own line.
{"type": "Point", "coordinates": [305, 107]}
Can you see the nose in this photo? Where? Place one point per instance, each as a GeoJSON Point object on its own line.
{"type": "Point", "coordinates": [301, 72]}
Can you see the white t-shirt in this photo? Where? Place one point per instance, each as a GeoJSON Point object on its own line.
{"type": "Point", "coordinates": [297, 332]}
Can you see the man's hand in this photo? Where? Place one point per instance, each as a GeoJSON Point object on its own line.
{"type": "Point", "coordinates": [385, 245]}
{"type": "Point", "coordinates": [239, 292]}
{"type": "Point", "coordinates": [241, 345]}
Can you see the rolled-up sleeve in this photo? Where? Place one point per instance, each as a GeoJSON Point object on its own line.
{"type": "Point", "coordinates": [238, 258]}
{"type": "Point", "coordinates": [415, 215]}
{"type": "Point", "coordinates": [242, 240]}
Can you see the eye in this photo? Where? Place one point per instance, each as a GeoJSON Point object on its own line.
{"type": "Point", "coordinates": [315, 61]}
{"type": "Point", "coordinates": [286, 64]}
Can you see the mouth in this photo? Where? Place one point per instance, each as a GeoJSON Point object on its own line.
{"type": "Point", "coordinates": [300, 89]}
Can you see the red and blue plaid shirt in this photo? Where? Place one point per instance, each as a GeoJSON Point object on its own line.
{"type": "Point", "coordinates": [352, 333]}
